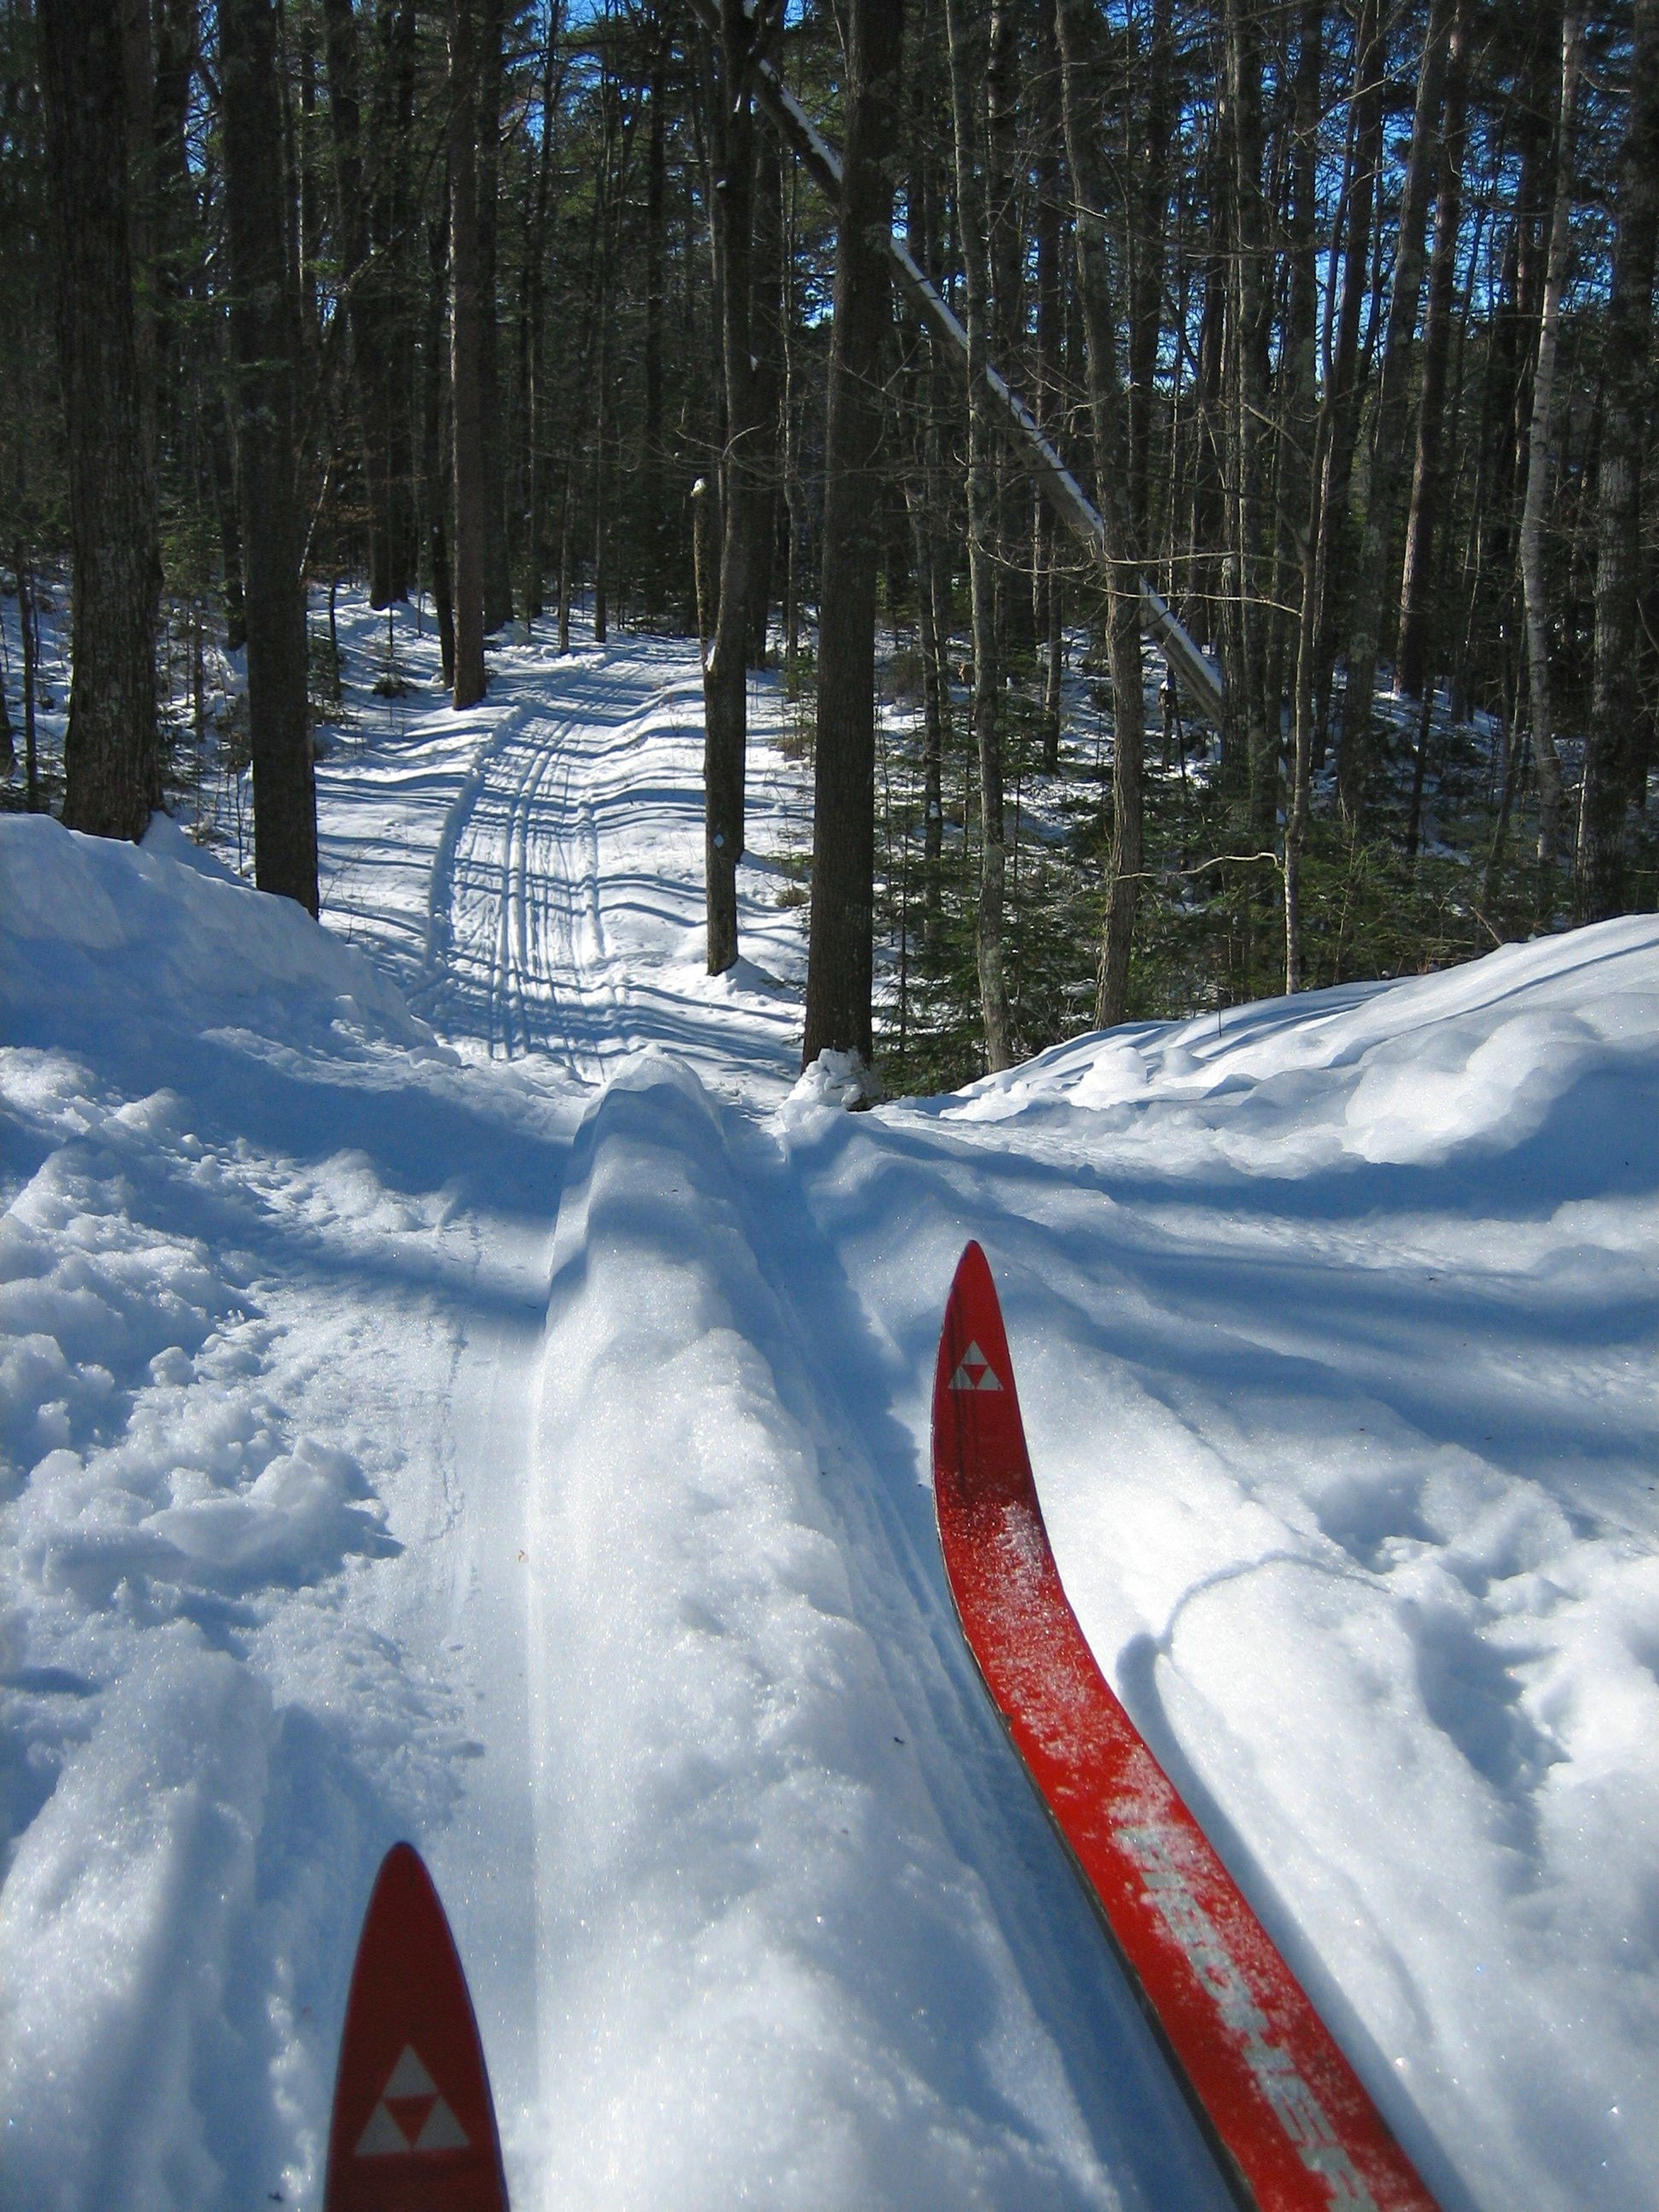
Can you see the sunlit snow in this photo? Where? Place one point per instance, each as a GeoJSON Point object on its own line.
{"type": "Point", "coordinates": [455, 1382]}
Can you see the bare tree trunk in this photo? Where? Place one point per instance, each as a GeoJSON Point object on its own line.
{"type": "Point", "coordinates": [1050, 333]}
{"type": "Point", "coordinates": [535, 252]}
{"type": "Point", "coordinates": [926, 488]}
{"type": "Point", "coordinates": [840, 955]}
{"type": "Point", "coordinates": [1540, 468]}
{"type": "Point", "coordinates": [1250, 310]}
{"type": "Point", "coordinates": [265, 340]}
{"type": "Point", "coordinates": [26, 638]}
{"type": "Point", "coordinates": [766, 334]}
{"type": "Point", "coordinates": [437, 447]}
{"type": "Point", "coordinates": [1626, 403]}
{"type": "Point", "coordinates": [466, 426]}
{"type": "Point", "coordinates": [1388, 445]}
{"type": "Point", "coordinates": [1301, 486]}
{"type": "Point", "coordinates": [1416, 587]}
{"type": "Point", "coordinates": [363, 282]}
{"type": "Point", "coordinates": [492, 446]}
{"type": "Point", "coordinates": [1345, 379]}
{"type": "Point", "coordinates": [601, 480]}
{"type": "Point", "coordinates": [1151, 201]}
{"type": "Point", "coordinates": [655, 458]}
{"type": "Point", "coordinates": [967, 77]}
{"type": "Point", "coordinates": [111, 754]}
{"type": "Point", "coordinates": [725, 694]}
{"type": "Point", "coordinates": [1075, 22]}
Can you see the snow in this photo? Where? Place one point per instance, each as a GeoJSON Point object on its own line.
{"type": "Point", "coordinates": [459, 1380]}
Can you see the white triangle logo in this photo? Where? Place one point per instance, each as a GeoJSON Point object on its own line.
{"type": "Point", "coordinates": [408, 2078]}
{"type": "Point", "coordinates": [411, 2116]}
{"type": "Point", "coordinates": [975, 1372]}
{"type": "Point", "coordinates": [442, 2132]}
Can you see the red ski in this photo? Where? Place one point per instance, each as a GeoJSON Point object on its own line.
{"type": "Point", "coordinates": [414, 2125]}
{"type": "Point", "coordinates": [1287, 2118]}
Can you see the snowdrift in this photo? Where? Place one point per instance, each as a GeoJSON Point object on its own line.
{"type": "Point", "coordinates": [344, 1495]}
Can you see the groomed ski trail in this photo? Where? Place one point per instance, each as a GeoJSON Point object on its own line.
{"type": "Point", "coordinates": [544, 870]}
{"type": "Point", "coordinates": [565, 925]}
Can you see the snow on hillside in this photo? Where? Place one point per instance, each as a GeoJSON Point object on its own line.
{"type": "Point", "coordinates": [450, 1387]}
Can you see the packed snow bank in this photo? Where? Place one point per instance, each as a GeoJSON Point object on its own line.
{"type": "Point", "coordinates": [1334, 1322]}
{"type": "Point", "coordinates": [257, 1227]}
{"type": "Point", "coordinates": [1476, 1058]}
{"type": "Point", "coordinates": [753, 1927]}
{"type": "Point", "coordinates": [164, 935]}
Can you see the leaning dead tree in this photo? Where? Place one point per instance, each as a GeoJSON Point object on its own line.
{"type": "Point", "coordinates": [822, 161]}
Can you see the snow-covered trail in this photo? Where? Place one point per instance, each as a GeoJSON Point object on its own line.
{"type": "Point", "coordinates": [532, 871]}
{"type": "Point", "coordinates": [564, 928]}
{"type": "Point", "coordinates": [512, 1433]}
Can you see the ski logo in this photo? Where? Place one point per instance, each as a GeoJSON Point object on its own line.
{"type": "Point", "coordinates": [411, 2115]}
{"type": "Point", "coordinates": [1297, 2109]}
{"type": "Point", "coordinates": [975, 1372]}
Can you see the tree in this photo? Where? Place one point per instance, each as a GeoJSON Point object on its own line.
{"type": "Point", "coordinates": [265, 342]}
{"type": "Point", "coordinates": [731, 126]}
{"type": "Point", "coordinates": [967, 81]}
{"type": "Point", "coordinates": [1076, 29]}
{"type": "Point", "coordinates": [1539, 464]}
{"type": "Point", "coordinates": [112, 756]}
{"type": "Point", "coordinates": [465, 341]}
{"type": "Point", "coordinates": [1626, 402]}
{"type": "Point", "coordinates": [1388, 444]}
{"type": "Point", "coordinates": [840, 961]}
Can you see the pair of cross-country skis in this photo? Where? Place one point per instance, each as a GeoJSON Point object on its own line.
{"type": "Point", "coordinates": [1290, 2124]}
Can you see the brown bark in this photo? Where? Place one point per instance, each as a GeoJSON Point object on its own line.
{"type": "Point", "coordinates": [1075, 23]}
{"type": "Point", "coordinates": [1416, 587]}
{"type": "Point", "coordinates": [1344, 381]}
{"type": "Point", "coordinates": [1249, 308]}
{"type": "Point", "coordinates": [840, 953]}
{"type": "Point", "coordinates": [1301, 487]}
{"type": "Point", "coordinates": [1150, 200]}
{"type": "Point", "coordinates": [725, 697]}
{"type": "Point", "coordinates": [766, 335]}
{"type": "Point", "coordinates": [967, 78]}
{"type": "Point", "coordinates": [363, 277]}
{"type": "Point", "coordinates": [1388, 444]}
{"type": "Point", "coordinates": [265, 341]}
{"type": "Point", "coordinates": [1048, 595]}
{"type": "Point", "coordinates": [492, 444]}
{"type": "Point", "coordinates": [1626, 405]}
{"type": "Point", "coordinates": [657, 523]}
{"type": "Point", "coordinates": [112, 759]}
{"type": "Point", "coordinates": [466, 426]}
{"type": "Point", "coordinates": [1540, 466]}
{"type": "Point", "coordinates": [438, 448]}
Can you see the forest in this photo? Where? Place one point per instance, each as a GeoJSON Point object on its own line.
{"type": "Point", "coordinates": [1186, 463]}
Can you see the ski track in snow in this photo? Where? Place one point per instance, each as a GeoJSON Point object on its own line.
{"type": "Point", "coordinates": [514, 1438]}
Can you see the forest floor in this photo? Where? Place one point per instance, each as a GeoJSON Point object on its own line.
{"type": "Point", "coordinates": [457, 1382]}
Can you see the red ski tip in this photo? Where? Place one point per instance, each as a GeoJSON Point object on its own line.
{"type": "Point", "coordinates": [1291, 2125]}
{"type": "Point", "coordinates": [414, 2125]}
